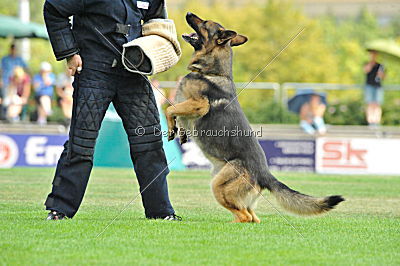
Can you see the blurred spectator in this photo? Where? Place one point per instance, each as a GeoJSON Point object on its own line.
{"type": "Point", "coordinates": [17, 94]}
{"type": "Point", "coordinates": [311, 107]}
{"type": "Point", "coordinates": [64, 92]}
{"type": "Point", "coordinates": [8, 63]}
{"type": "Point", "coordinates": [43, 85]}
{"type": "Point", "coordinates": [375, 73]}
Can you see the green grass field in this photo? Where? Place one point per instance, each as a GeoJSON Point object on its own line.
{"type": "Point", "coordinates": [364, 230]}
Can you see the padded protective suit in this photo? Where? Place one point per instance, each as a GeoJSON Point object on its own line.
{"type": "Point", "coordinates": [102, 81]}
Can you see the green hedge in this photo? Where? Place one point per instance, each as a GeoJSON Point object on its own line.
{"type": "Point", "coordinates": [346, 111]}
{"type": "Point", "coordinates": [344, 108]}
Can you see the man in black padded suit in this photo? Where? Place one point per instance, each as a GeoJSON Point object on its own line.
{"type": "Point", "coordinates": [100, 28]}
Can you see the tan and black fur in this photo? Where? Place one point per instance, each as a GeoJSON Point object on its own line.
{"type": "Point", "coordinates": [206, 102]}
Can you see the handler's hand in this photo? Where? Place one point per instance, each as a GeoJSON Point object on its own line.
{"type": "Point", "coordinates": [74, 64]}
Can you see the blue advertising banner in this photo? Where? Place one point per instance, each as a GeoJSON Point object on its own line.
{"type": "Point", "coordinates": [282, 155]}
{"type": "Point", "coordinates": [290, 155]}
{"type": "Point", "coordinates": [44, 151]}
{"type": "Point", "coordinates": [30, 150]}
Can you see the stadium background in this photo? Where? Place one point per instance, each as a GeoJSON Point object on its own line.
{"type": "Point", "coordinates": [330, 54]}
{"type": "Point", "coordinates": [330, 51]}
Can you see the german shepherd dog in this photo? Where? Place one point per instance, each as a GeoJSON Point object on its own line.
{"type": "Point", "coordinates": [206, 103]}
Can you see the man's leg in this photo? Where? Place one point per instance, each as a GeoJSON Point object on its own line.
{"type": "Point", "coordinates": [136, 105]}
{"type": "Point", "coordinates": [151, 170]}
{"type": "Point", "coordinates": [73, 170]}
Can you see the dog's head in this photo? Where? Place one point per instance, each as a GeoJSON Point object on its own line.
{"type": "Point", "coordinates": [210, 41]}
{"type": "Point", "coordinates": [209, 34]}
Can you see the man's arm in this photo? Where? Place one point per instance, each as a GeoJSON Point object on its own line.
{"type": "Point", "coordinates": [56, 15]}
{"type": "Point", "coordinates": [157, 10]}
{"type": "Point", "coordinates": [36, 82]}
{"type": "Point", "coordinates": [367, 67]}
{"type": "Point", "coordinates": [381, 72]}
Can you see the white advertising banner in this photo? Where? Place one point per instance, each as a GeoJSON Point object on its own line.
{"type": "Point", "coordinates": [358, 156]}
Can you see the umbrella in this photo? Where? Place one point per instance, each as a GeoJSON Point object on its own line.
{"type": "Point", "coordinates": [386, 47]}
{"type": "Point", "coordinates": [13, 27]}
{"type": "Point", "coordinates": [303, 96]}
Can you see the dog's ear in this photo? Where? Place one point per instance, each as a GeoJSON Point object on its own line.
{"type": "Point", "coordinates": [225, 35]}
{"type": "Point", "coordinates": [238, 40]}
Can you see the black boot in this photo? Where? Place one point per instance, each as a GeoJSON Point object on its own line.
{"type": "Point", "coordinates": [55, 215]}
{"type": "Point", "coordinates": [171, 217]}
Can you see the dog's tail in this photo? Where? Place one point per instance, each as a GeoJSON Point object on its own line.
{"type": "Point", "coordinates": [298, 203]}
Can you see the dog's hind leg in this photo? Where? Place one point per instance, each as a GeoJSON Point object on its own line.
{"type": "Point", "coordinates": [230, 189]}
{"type": "Point", "coordinates": [242, 216]}
{"type": "Point", "coordinates": [255, 218]}
{"type": "Point", "coordinates": [252, 200]}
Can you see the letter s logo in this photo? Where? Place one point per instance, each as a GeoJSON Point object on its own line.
{"type": "Point", "coordinates": [332, 150]}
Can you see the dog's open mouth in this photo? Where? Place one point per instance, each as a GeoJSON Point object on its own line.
{"type": "Point", "coordinates": [193, 39]}
{"type": "Point", "coordinates": [191, 36]}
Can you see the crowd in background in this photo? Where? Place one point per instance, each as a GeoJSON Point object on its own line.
{"type": "Point", "coordinates": [19, 87]}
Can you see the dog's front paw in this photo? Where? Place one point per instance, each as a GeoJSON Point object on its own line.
{"type": "Point", "coordinates": [183, 138]}
{"type": "Point", "coordinates": [172, 133]}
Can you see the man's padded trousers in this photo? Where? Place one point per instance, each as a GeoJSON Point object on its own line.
{"type": "Point", "coordinates": [133, 98]}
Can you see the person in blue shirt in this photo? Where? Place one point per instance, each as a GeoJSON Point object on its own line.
{"type": "Point", "coordinates": [8, 64]}
{"type": "Point", "coordinates": [43, 84]}
{"type": "Point", "coordinates": [375, 73]}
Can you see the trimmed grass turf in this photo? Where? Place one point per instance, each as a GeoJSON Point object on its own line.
{"type": "Point", "coordinates": [364, 230]}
